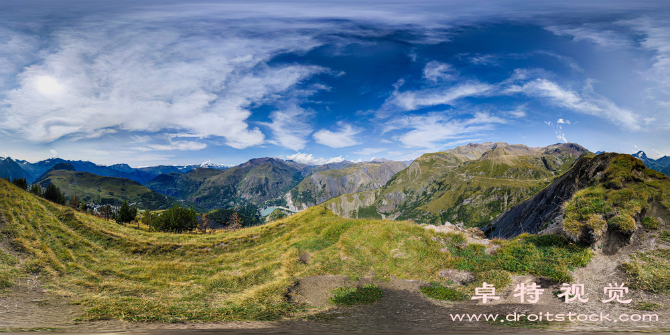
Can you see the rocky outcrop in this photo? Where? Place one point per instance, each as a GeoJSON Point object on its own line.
{"type": "Point", "coordinates": [324, 185]}
{"type": "Point", "coordinates": [350, 205]}
{"type": "Point", "coordinates": [545, 208]}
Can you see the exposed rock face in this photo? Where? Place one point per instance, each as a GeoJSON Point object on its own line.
{"type": "Point", "coordinates": [324, 185]}
{"type": "Point", "coordinates": [546, 206]}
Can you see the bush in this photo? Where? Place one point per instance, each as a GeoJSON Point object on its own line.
{"type": "Point", "coordinates": [53, 194]}
{"type": "Point", "coordinates": [175, 220]}
{"type": "Point", "coordinates": [126, 213]}
{"type": "Point", "coordinates": [347, 296]}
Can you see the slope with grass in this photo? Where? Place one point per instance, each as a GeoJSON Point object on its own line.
{"type": "Point", "coordinates": [94, 189]}
{"type": "Point", "coordinates": [471, 184]}
{"type": "Point", "coordinates": [607, 190]}
{"type": "Point", "coordinates": [118, 272]}
{"type": "Point", "coordinates": [323, 185]}
{"type": "Point", "coordinates": [611, 202]}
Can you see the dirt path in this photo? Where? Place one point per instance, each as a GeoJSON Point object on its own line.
{"type": "Point", "coordinates": [402, 310]}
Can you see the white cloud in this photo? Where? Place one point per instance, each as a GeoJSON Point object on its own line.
{"type": "Point", "coordinates": [432, 130]}
{"type": "Point", "coordinates": [151, 76]}
{"type": "Point", "coordinates": [484, 60]}
{"type": "Point", "coordinates": [369, 151]}
{"type": "Point", "coordinates": [588, 103]}
{"type": "Point", "coordinates": [289, 127]}
{"type": "Point", "coordinates": [592, 33]}
{"type": "Point", "coordinates": [519, 112]}
{"type": "Point", "coordinates": [561, 121]}
{"type": "Point", "coordinates": [344, 137]}
{"type": "Point", "coordinates": [177, 145]}
{"type": "Point", "coordinates": [413, 100]}
{"type": "Point", "coordinates": [53, 152]}
{"type": "Point", "coordinates": [310, 160]}
{"type": "Point", "coordinates": [435, 71]}
{"type": "Point", "coordinates": [656, 39]}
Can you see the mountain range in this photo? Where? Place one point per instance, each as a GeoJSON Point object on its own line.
{"type": "Point", "coordinates": [661, 164]}
{"type": "Point", "coordinates": [470, 184]}
{"type": "Point", "coordinates": [94, 189]}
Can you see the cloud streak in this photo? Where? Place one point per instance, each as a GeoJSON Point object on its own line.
{"type": "Point", "coordinates": [344, 137]}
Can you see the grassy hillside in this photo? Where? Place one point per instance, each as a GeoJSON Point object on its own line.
{"type": "Point", "coordinates": [96, 189]}
{"type": "Point", "coordinates": [471, 184]}
{"type": "Point", "coordinates": [117, 272]}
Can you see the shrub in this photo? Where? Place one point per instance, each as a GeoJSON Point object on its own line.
{"type": "Point", "coordinates": [176, 220]}
{"type": "Point", "coordinates": [622, 223]}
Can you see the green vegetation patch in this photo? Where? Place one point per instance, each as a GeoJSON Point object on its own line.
{"type": "Point", "coordinates": [441, 292]}
{"type": "Point", "coordinates": [650, 223]}
{"type": "Point", "coordinates": [348, 296]}
{"type": "Point", "coordinates": [650, 271]}
{"type": "Point", "coordinates": [648, 306]}
{"type": "Point", "coordinates": [615, 199]}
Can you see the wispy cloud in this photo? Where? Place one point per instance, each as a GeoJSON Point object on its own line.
{"type": "Point", "coordinates": [369, 151]}
{"type": "Point", "coordinates": [435, 71]}
{"type": "Point", "coordinates": [413, 100]}
{"type": "Point", "coordinates": [593, 33]}
{"type": "Point", "coordinates": [289, 127]}
{"type": "Point", "coordinates": [309, 159]}
{"type": "Point", "coordinates": [434, 129]}
{"type": "Point", "coordinates": [343, 137]}
{"type": "Point", "coordinates": [588, 102]}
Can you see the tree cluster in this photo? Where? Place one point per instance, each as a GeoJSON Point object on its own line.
{"type": "Point", "coordinates": [174, 220]}
{"type": "Point", "coordinates": [126, 213]}
{"type": "Point", "coordinates": [248, 215]}
{"type": "Point", "coordinates": [53, 194]}
{"type": "Point", "coordinates": [20, 183]}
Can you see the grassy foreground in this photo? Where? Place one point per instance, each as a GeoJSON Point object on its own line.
{"type": "Point", "coordinates": [119, 272]}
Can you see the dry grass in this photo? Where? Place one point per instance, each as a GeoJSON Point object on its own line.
{"type": "Point", "coordinates": [120, 272]}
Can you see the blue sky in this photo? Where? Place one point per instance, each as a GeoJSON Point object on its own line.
{"type": "Point", "coordinates": [177, 82]}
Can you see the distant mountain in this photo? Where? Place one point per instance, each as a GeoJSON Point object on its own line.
{"type": "Point", "coordinates": [57, 167]}
{"type": "Point", "coordinates": [211, 165]}
{"type": "Point", "coordinates": [12, 170]}
{"type": "Point", "coordinates": [165, 169]}
{"type": "Point", "coordinates": [470, 184]}
{"type": "Point", "coordinates": [94, 189]}
{"type": "Point", "coordinates": [39, 168]}
{"type": "Point", "coordinates": [654, 164]}
{"type": "Point", "coordinates": [254, 182]}
{"type": "Point", "coordinates": [323, 185]}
